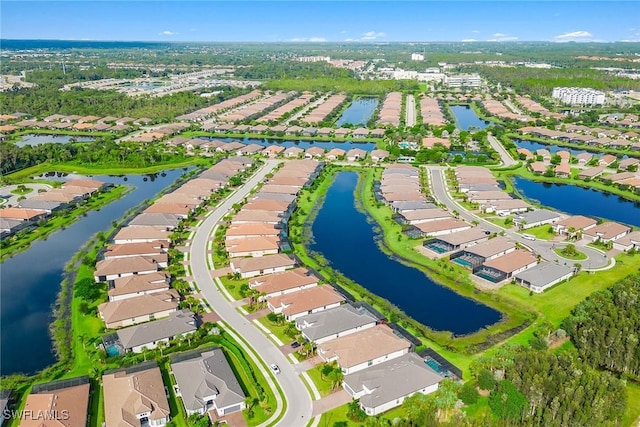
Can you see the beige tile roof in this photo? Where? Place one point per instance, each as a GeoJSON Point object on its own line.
{"type": "Point", "coordinates": [307, 299]}
{"type": "Point", "coordinates": [139, 283]}
{"type": "Point", "coordinates": [607, 230]}
{"type": "Point", "coordinates": [278, 282]}
{"type": "Point", "coordinates": [127, 395]}
{"type": "Point", "coordinates": [141, 232]}
{"type": "Point", "coordinates": [144, 248]}
{"type": "Point", "coordinates": [74, 400]}
{"type": "Point", "coordinates": [262, 263]}
{"type": "Point", "coordinates": [143, 305]}
{"type": "Point", "coordinates": [131, 264]}
{"type": "Point", "coordinates": [252, 229]}
{"type": "Point", "coordinates": [20, 213]}
{"type": "Point", "coordinates": [512, 261]}
{"type": "Point", "coordinates": [577, 222]}
{"type": "Point", "coordinates": [360, 347]}
{"type": "Point", "coordinates": [251, 244]}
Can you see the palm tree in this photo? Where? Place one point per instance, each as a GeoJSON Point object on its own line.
{"type": "Point", "coordinates": [160, 346]}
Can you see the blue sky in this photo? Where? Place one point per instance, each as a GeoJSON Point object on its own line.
{"type": "Point", "coordinates": [317, 21]}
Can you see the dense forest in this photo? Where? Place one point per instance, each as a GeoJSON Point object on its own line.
{"type": "Point", "coordinates": [605, 328]}
{"type": "Point", "coordinates": [103, 152]}
{"type": "Point", "coordinates": [348, 85]}
{"type": "Point", "coordinates": [540, 82]}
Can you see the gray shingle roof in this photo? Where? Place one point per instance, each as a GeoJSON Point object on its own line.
{"type": "Point", "coordinates": [205, 375]}
{"type": "Point", "coordinates": [392, 380]}
{"type": "Point", "coordinates": [179, 322]}
{"type": "Point", "coordinates": [543, 274]}
{"type": "Point", "coordinates": [333, 321]}
{"type": "Point", "coordinates": [537, 216]}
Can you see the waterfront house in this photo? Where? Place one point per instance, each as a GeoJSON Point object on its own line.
{"type": "Point", "coordinates": [283, 283]}
{"type": "Point", "coordinates": [628, 242]}
{"type": "Point", "coordinates": [273, 150]}
{"type": "Point", "coordinates": [543, 276]}
{"type": "Point", "coordinates": [424, 215]}
{"type": "Point", "coordinates": [356, 154]}
{"type": "Point", "coordinates": [606, 232]}
{"type": "Point", "coordinates": [535, 218]}
{"type": "Point", "coordinates": [109, 269]}
{"type": "Point", "coordinates": [458, 240]}
{"type": "Point", "coordinates": [473, 256]}
{"type": "Point", "coordinates": [591, 173]}
{"type": "Point", "coordinates": [135, 396]}
{"type": "Point", "coordinates": [442, 227]}
{"type": "Point", "coordinates": [205, 382]}
{"type": "Point", "coordinates": [334, 323]}
{"type": "Point", "coordinates": [251, 267]}
{"type": "Point", "coordinates": [58, 403]}
{"type": "Point", "coordinates": [147, 335]}
{"type": "Point", "coordinates": [574, 224]}
{"type": "Point", "coordinates": [139, 234]}
{"type": "Point", "coordinates": [385, 386]}
{"type": "Point", "coordinates": [505, 207]}
{"type": "Point", "coordinates": [143, 308]}
{"type": "Point", "coordinates": [306, 301]}
{"type": "Point", "coordinates": [563, 170]}
{"type": "Point", "coordinates": [252, 246]}
{"type": "Point", "coordinates": [362, 349]}
{"type": "Point", "coordinates": [292, 152]}
{"type": "Point", "coordinates": [242, 231]}
{"type": "Point", "coordinates": [505, 266]}
{"type": "Point", "coordinates": [133, 286]}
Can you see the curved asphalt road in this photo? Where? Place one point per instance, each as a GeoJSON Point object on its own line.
{"type": "Point", "coordinates": [596, 259]}
{"type": "Point", "coordinates": [298, 401]}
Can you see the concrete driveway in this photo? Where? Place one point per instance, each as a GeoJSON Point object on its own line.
{"type": "Point", "coordinates": [11, 200]}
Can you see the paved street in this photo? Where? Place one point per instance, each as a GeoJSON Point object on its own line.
{"type": "Point", "coordinates": [410, 111]}
{"type": "Point", "coordinates": [506, 158]}
{"type": "Point", "coordinates": [595, 260]}
{"type": "Point", "coordinates": [299, 406]}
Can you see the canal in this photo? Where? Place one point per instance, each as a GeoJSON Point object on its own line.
{"type": "Point", "coordinates": [345, 237]}
{"type": "Point", "coordinates": [576, 200]}
{"type": "Point", "coordinates": [56, 139]}
{"type": "Point", "coordinates": [466, 118]}
{"type": "Point", "coordinates": [31, 279]}
{"type": "Point", "coordinates": [359, 112]}
{"type": "Point", "coordinates": [533, 146]}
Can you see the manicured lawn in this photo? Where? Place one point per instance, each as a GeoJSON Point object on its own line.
{"type": "Point", "coordinates": [323, 386]}
{"type": "Point", "coordinates": [233, 286]}
{"type": "Point", "coordinates": [336, 415]}
{"type": "Point", "coordinates": [541, 232]}
{"type": "Point", "coordinates": [578, 256]}
{"type": "Point", "coordinates": [632, 416]}
{"type": "Point", "coordinates": [277, 330]}
{"type": "Point", "coordinates": [22, 191]}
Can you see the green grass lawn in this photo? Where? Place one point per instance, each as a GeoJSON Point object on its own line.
{"type": "Point", "coordinates": [478, 409]}
{"type": "Point", "coordinates": [542, 232]}
{"type": "Point", "coordinates": [21, 192]}
{"type": "Point", "coordinates": [579, 256]}
{"type": "Point", "coordinates": [336, 415]}
{"type": "Point", "coordinates": [632, 416]}
{"type": "Point", "coordinates": [323, 386]}
{"type": "Point", "coordinates": [277, 330]}
{"type": "Point", "coordinates": [233, 286]}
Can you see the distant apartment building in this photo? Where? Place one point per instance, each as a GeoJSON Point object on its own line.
{"type": "Point", "coordinates": [463, 80]}
{"type": "Point", "coordinates": [417, 57]}
{"type": "Point", "coordinates": [578, 96]}
{"type": "Point", "coordinates": [313, 59]}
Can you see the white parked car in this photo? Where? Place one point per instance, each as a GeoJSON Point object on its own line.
{"type": "Point", "coordinates": [275, 369]}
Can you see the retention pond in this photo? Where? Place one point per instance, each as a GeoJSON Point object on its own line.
{"type": "Point", "coordinates": [346, 238]}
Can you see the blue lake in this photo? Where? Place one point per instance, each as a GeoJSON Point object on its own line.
{"type": "Point", "coordinates": [327, 145]}
{"type": "Point", "coordinates": [576, 200]}
{"type": "Point", "coordinates": [57, 139]}
{"type": "Point", "coordinates": [533, 146]}
{"type": "Point", "coordinates": [466, 118]}
{"type": "Point", "coordinates": [344, 236]}
{"type": "Point", "coordinates": [359, 112]}
{"type": "Point", "coordinates": [31, 279]}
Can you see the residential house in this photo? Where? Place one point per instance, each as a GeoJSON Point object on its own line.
{"type": "Point", "coordinates": [252, 246]}
{"type": "Point", "coordinates": [543, 276]}
{"type": "Point", "coordinates": [273, 150]}
{"type": "Point", "coordinates": [606, 232]}
{"type": "Point", "coordinates": [563, 170]}
{"type": "Point", "coordinates": [457, 241]}
{"type": "Point", "coordinates": [133, 286]}
{"type": "Point", "coordinates": [139, 234]}
{"type": "Point", "coordinates": [607, 159]}
{"type": "Point", "coordinates": [365, 348]}
{"type": "Point", "coordinates": [108, 270]}
{"type": "Point", "coordinates": [135, 396]}
{"type": "Point", "coordinates": [473, 256]}
{"type": "Point", "coordinates": [283, 283]}
{"type": "Point", "coordinates": [538, 167]}
{"type": "Point", "coordinates": [424, 215]}
{"type": "Point", "coordinates": [385, 386]}
{"type": "Point", "coordinates": [356, 154]}
{"type": "Point", "coordinates": [535, 218]}
{"type": "Point", "coordinates": [628, 162]}
{"type": "Point", "coordinates": [147, 335]}
{"type": "Point", "coordinates": [442, 227]}
{"type": "Point", "coordinates": [379, 155]}
{"type": "Point", "coordinates": [58, 403]}
{"type": "Point", "coordinates": [306, 301]}
{"type": "Point", "coordinates": [314, 153]}
{"type": "Point", "coordinates": [205, 381]}
{"type": "Point", "coordinates": [293, 152]}
{"type": "Point", "coordinates": [242, 231]}
{"type": "Point", "coordinates": [505, 266]}
{"type": "Point", "coordinates": [584, 158]}
{"type": "Point", "coordinates": [334, 323]}
{"type": "Point", "coordinates": [574, 224]}
{"type": "Point", "coordinates": [268, 264]}
{"type": "Point", "coordinates": [143, 308]}
{"type": "Point", "coordinates": [628, 242]}
{"type": "Point", "coordinates": [361, 132]}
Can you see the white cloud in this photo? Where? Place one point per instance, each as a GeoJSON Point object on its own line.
{"type": "Point", "coordinates": [309, 39]}
{"type": "Point", "coordinates": [501, 37]}
{"type": "Point", "coordinates": [575, 36]}
{"type": "Point", "coordinates": [373, 35]}
{"type": "Point", "coordinates": [475, 31]}
{"type": "Point", "coordinates": [468, 40]}
{"type": "Point", "coordinates": [168, 33]}
{"type": "Point", "coordinates": [349, 40]}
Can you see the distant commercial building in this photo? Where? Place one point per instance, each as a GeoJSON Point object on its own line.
{"type": "Point", "coordinates": [417, 57]}
{"type": "Point", "coordinates": [578, 96]}
{"type": "Point", "coordinates": [463, 80]}
{"type": "Point", "coordinates": [314, 59]}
